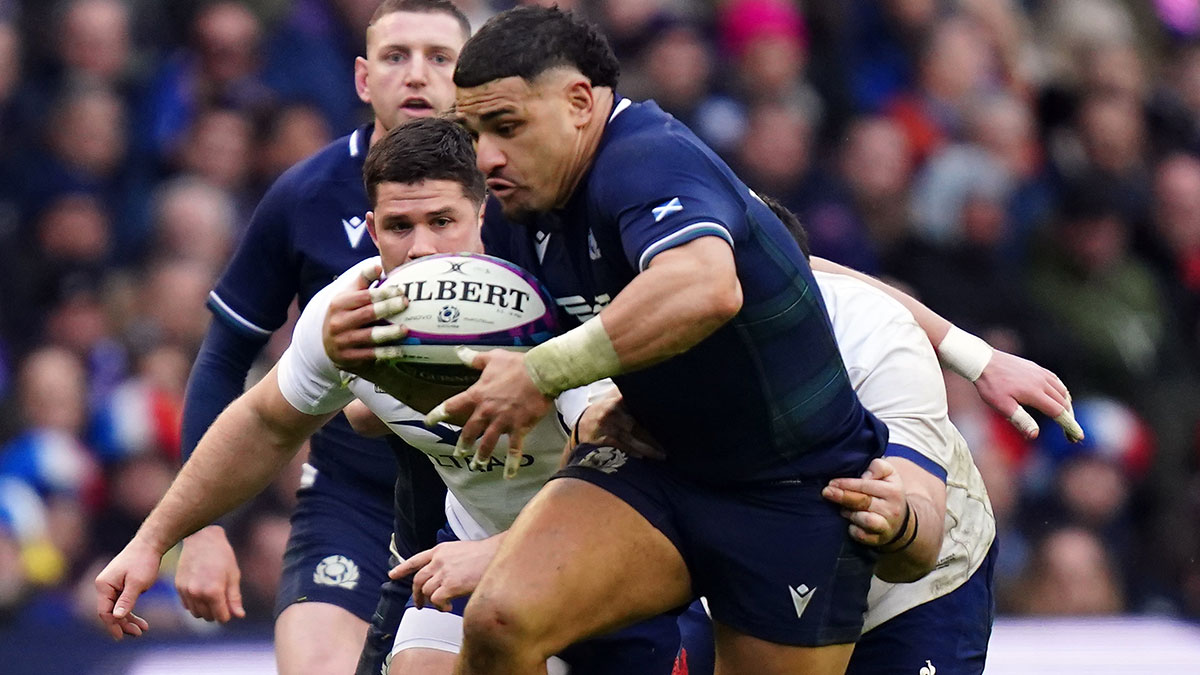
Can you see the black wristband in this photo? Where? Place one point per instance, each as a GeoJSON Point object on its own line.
{"type": "Point", "coordinates": [901, 530]}
{"type": "Point", "coordinates": [911, 538]}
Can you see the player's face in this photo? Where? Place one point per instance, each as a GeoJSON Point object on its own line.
{"type": "Point", "coordinates": [413, 220]}
{"type": "Point", "coordinates": [528, 140]}
{"type": "Point", "coordinates": [409, 66]}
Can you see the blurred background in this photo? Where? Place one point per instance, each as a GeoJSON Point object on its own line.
{"type": "Point", "coordinates": [1028, 168]}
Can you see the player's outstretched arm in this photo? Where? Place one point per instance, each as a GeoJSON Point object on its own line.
{"type": "Point", "coordinates": [207, 577]}
{"type": "Point", "coordinates": [685, 294]}
{"type": "Point", "coordinates": [898, 508]}
{"type": "Point", "coordinates": [1004, 381]}
{"type": "Point", "coordinates": [244, 449]}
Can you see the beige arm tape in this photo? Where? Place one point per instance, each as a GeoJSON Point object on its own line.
{"type": "Point", "coordinates": [964, 353]}
{"type": "Point", "coordinates": [580, 356]}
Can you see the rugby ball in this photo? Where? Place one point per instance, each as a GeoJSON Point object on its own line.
{"type": "Point", "coordinates": [468, 299]}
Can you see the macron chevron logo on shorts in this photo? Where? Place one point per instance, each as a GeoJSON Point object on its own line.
{"type": "Point", "coordinates": [336, 570]}
{"type": "Point", "coordinates": [666, 209]}
{"type": "Point", "coordinates": [800, 596]}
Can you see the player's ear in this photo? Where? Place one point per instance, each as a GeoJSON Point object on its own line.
{"type": "Point", "coordinates": [482, 206]}
{"type": "Point", "coordinates": [580, 100]}
{"type": "Point", "coordinates": [360, 80]}
{"type": "Point", "coordinates": [371, 228]}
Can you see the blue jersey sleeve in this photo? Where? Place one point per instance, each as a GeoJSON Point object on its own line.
{"type": "Point", "coordinates": [218, 377]}
{"type": "Point", "coordinates": [258, 285]}
{"type": "Point", "coordinates": [665, 192]}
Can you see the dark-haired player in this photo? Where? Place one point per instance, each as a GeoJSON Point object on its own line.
{"type": "Point", "coordinates": [308, 229]}
{"type": "Point", "coordinates": [690, 293]}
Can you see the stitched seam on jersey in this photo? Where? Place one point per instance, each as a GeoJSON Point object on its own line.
{"type": "Point", "coordinates": [227, 311]}
{"type": "Point", "coordinates": [693, 231]}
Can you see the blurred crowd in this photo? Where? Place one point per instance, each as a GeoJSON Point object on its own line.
{"type": "Point", "coordinates": [1028, 168]}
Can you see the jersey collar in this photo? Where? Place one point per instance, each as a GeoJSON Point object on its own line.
{"type": "Point", "coordinates": [360, 142]}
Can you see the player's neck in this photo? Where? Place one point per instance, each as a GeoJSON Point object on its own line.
{"type": "Point", "coordinates": [589, 141]}
{"type": "Point", "coordinates": [377, 132]}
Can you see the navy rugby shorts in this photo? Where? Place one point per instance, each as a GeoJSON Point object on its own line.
{"type": "Point", "coordinates": [774, 559]}
{"type": "Point", "coordinates": [338, 549]}
{"type": "Point", "coordinates": [948, 634]}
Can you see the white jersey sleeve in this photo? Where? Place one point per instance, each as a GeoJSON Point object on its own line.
{"type": "Point", "coordinates": [892, 368]}
{"type": "Point", "coordinates": [897, 377]}
{"type": "Point", "coordinates": [308, 379]}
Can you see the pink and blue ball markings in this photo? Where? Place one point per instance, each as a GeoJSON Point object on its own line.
{"type": "Point", "coordinates": [528, 334]}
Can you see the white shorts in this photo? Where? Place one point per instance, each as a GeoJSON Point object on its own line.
{"type": "Point", "coordinates": [429, 628]}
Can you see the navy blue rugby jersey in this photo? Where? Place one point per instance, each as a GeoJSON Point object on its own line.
{"type": "Point", "coordinates": [766, 396]}
{"type": "Point", "coordinates": [309, 228]}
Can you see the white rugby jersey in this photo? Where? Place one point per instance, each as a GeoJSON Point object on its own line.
{"type": "Point", "coordinates": [896, 374]}
{"type": "Point", "coordinates": [483, 502]}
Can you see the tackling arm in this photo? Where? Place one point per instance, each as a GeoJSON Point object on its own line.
{"type": "Point", "coordinates": [1004, 381]}
{"type": "Point", "coordinates": [899, 508]}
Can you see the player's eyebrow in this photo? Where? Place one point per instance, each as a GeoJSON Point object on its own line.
{"type": "Point", "coordinates": [409, 47]}
{"type": "Point", "coordinates": [489, 116]}
{"type": "Point", "coordinates": [444, 211]}
{"type": "Point", "coordinates": [397, 219]}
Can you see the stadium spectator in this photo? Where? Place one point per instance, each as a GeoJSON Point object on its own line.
{"type": "Point", "coordinates": [955, 67]}
{"type": "Point", "coordinates": [678, 68]}
{"type": "Point", "coordinates": [875, 164]}
{"type": "Point", "coordinates": [1071, 575]}
{"type": "Point", "coordinates": [219, 67]}
{"type": "Point", "coordinates": [218, 147]}
{"type": "Point", "coordinates": [310, 57]}
{"type": "Point", "coordinates": [292, 132]}
{"type": "Point", "coordinates": [193, 221]}
{"type": "Point", "coordinates": [94, 41]}
{"type": "Point", "coordinates": [1109, 301]}
{"type": "Point", "coordinates": [1177, 229]}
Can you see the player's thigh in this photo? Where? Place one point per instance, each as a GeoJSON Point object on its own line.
{"type": "Point", "coordinates": [741, 654]}
{"type": "Point", "coordinates": [578, 562]}
{"type": "Point", "coordinates": [315, 638]}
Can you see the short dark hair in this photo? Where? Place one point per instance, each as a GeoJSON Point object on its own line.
{"type": "Point", "coordinates": [432, 148]}
{"type": "Point", "coordinates": [791, 221]}
{"type": "Point", "coordinates": [527, 41]}
{"type": "Point", "coordinates": [426, 6]}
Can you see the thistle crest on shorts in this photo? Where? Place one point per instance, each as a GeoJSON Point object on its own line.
{"type": "Point", "coordinates": [604, 459]}
{"type": "Point", "coordinates": [337, 570]}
